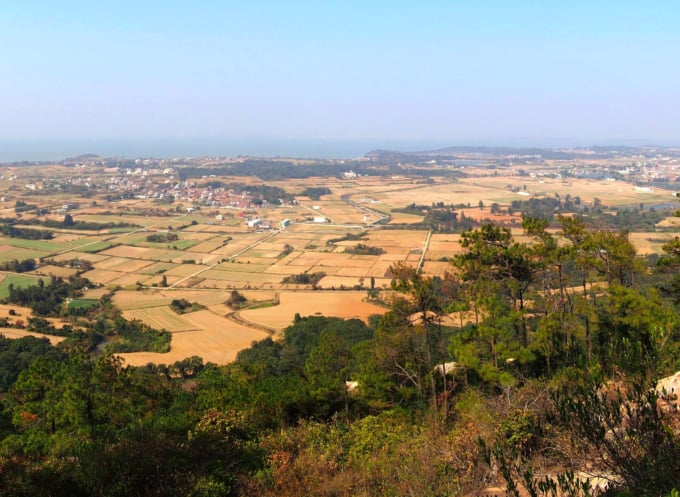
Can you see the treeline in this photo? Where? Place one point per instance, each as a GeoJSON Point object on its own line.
{"type": "Point", "coordinates": [451, 218]}
{"type": "Point", "coordinates": [304, 278]}
{"type": "Point", "coordinates": [632, 219]}
{"type": "Point", "coordinates": [273, 170]}
{"type": "Point", "coordinates": [17, 266]}
{"type": "Point", "coordinates": [315, 193]}
{"type": "Point", "coordinates": [363, 249]}
{"type": "Point", "coordinates": [447, 220]}
{"type": "Point", "coordinates": [264, 193]}
{"type": "Point", "coordinates": [269, 194]}
{"type": "Point", "coordinates": [348, 237]}
{"type": "Point", "coordinates": [422, 209]}
{"type": "Point", "coordinates": [637, 219]}
{"type": "Point", "coordinates": [82, 265]}
{"type": "Point", "coordinates": [268, 170]}
{"type": "Point", "coordinates": [68, 222]}
{"type": "Point", "coordinates": [25, 233]}
{"type": "Point", "coordinates": [439, 217]}
{"type": "Point", "coordinates": [162, 237]}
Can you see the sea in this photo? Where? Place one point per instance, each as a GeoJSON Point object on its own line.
{"type": "Point", "coordinates": [168, 148]}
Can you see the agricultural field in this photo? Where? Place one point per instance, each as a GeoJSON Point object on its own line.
{"type": "Point", "coordinates": [18, 280]}
{"type": "Point", "coordinates": [650, 243]}
{"type": "Point", "coordinates": [340, 304]}
{"type": "Point", "coordinates": [161, 318]}
{"type": "Point", "coordinates": [217, 345]}
{"type": "Point", "coordinates": [10, 253]}
{"type": "Point", "coordinates": [58, 271]}
{"type": "Point", "coordinates": [16, 333]}
{"type": "Point", "coordinates": [216, 251]}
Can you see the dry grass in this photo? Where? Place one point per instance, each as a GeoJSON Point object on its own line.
{"type": "Point", "coordinates": [218, 342]}
{"type": "Point", "coordinates": [650, 243]}
{"type": "Point", "coordinates": [161, 318]}
{"type": "Point", "coordinates": [101, 276]}
{"type": "Point", "coordinates": [14, 333]}
{"type": "Point", "coordinates": [61, 272]}
{"type": "Point", "coordinates": [124, 265]}
{"type": "Point", "coordinates": [347, 304]}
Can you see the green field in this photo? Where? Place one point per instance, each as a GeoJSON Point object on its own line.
{"type": "Point", "coordinates": [140, 240]}
{"type": "Point", "coordinates": [176, 244]}
{"type": "Point", "coordinates": [36, 244]}
{"type": "Point", "coordinates": [83, 303]}
{"type": "Point", "coordinates": [18, 280]}
{"type": "Point", "coordinates": [96, 247]}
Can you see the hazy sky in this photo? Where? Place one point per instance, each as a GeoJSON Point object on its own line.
{"type": "Point", "coordinates": [473, 71]}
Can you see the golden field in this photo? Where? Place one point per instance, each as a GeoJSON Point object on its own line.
{"type": "Point", "coordinates": [216, 252]}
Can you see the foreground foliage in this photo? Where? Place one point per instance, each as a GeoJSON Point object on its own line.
{"type": "Point", "coordinates": [547, 379]}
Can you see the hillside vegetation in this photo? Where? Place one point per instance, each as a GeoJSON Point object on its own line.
{"type": "Point", "coordinates": [549, 373]}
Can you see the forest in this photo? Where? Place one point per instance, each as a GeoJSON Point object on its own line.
{"type": "Point", "coordinates": [530, 366]}
{"type": "Point", "coordinates": [273, 170]}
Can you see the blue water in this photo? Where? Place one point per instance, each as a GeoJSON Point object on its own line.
{"type": "Point", "coordinates": [48, 150]}
{"type": "Point", "coordinates": [166, 148]}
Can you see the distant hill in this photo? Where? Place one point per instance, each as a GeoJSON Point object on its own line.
{"type": "Point", "coordinates": [466, 152]}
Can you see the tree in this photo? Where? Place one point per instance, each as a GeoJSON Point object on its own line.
{"type": "Point", "coordinates": [667, 271]}
{"type": "Point", "coordinates": [236, 300]}
{"type": "Point", "coordinates": [494, 264]}
{"type": "Point", "coordinates": [424, 294]}
{"type": "Point", "coordinates": [409, 341]}
{"type": "Point", "coordinates": [616, 256]}
{"type": "Point", "coordinates": [632, 332]}
{"type": "Point", "coordinates": [327, 370]}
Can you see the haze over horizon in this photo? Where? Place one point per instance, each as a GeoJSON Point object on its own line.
{"type": "Point", "coordinates": [492, 73]}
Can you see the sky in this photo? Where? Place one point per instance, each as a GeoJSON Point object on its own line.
{"type": "Point", "coordinates": [458, 72]}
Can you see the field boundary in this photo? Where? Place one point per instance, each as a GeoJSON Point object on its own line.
{"type": "Point", "coordinates": [235, 316]}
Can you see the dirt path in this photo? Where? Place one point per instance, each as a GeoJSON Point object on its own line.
{"type": "Point", "coordinates": [382, 217]}
{"type": "Point", "coordinates": [236, 317]}
{"type": "Point", "coordinates": [425, 249]}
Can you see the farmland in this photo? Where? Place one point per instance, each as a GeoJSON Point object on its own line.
{"type": "Point", "coordinates": [17, 280]}
{"type": "Point", "coordinates": [148, 251]}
